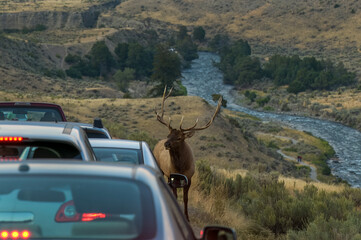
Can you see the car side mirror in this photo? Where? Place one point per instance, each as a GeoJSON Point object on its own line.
{"type": "Point", "coordinates": [218, 233]}
{"type": "Point", "coordinates": [178, 180]}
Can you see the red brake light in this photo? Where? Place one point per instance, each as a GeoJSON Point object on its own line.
{"type": "Point", "coordinates": [25, 234]}
{"type": "Point", "coordinates": [87, 217]}
{"type": "Point", "coordinates": [201, 233]}
{"type": "Point", "coordinates": [15, 234]}
{"type": "Point", "coordinates": [11, 139]}
{"type": "Point", "coordinates": [4, 234]}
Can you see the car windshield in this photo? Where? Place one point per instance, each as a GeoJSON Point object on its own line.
{"type": "Point", "coordinates": [107, 154]}
{"type": "Point", "coordinates": [38, 150]}
{"type": "Point", "coordinates": [52, 207]}
{"type": "Point", "coordinates": [30, 114]}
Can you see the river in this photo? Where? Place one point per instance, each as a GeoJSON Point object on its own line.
{"type": "Point", "coordinates": [203, 80]}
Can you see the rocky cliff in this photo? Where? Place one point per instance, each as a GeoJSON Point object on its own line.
{"type": "Point", "coordinates": [55, 19]}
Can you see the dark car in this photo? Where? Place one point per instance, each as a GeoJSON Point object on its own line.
{"type": "Point", "coordinates": [83, 200]}
{"type": "Point", "coordinates": [95, 130]}
{"type": "Point", "coordinates": [39, 140]}
{"type": "Point", "coordinates": [31, 111]}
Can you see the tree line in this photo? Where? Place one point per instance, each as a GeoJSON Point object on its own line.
{"type": "Point", "coordinates": [160, 63]}
{"type": "Point", "coordinates": [300, 74]}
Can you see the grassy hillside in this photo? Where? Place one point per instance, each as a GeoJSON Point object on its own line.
{"type": "Point", "coordinates": [328, 29]}
{"type": "Point", "coordinates": [236, 144]}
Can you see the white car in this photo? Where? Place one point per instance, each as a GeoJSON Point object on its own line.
{"type": "Point", "coordinates": [123, 151]}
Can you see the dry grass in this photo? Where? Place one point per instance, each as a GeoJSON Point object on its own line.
{"type": "Point", "coordinates": [297, 184]}
{"type": "Point", "coordinates": [290, 183]}
{"type": "Point", "coordinates": [136, 115]}
{"type": "Point", "coordinates": [203, 212]}
{"type": "Point", "coordinates": [348, 99]}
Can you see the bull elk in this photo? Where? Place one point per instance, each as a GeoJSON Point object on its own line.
{"type": "Point", "coordinates": [173, 154]}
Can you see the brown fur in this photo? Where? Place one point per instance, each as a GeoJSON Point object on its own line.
{"type": "Point", "coordinates": [179, 163]}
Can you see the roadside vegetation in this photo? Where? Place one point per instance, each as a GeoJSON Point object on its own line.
{"type": "Point", "coordinates": [261, 205]}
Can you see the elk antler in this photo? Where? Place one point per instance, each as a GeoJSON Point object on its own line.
{"type": "Point", "coordinates": [193, 128]}
{"type": "Point", "coordinates": [160, 117]}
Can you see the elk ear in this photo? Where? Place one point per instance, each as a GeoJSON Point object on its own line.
{"type": "Point", "coordinates": [189, 134]}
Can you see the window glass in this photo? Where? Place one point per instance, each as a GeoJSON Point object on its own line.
{"type": "Point", "coordinates": [38, 150]}
{"type": "Point", "coordinates": [30, 114]}
{"type": "Point", "coordinates": [106, 154]}
{"type": "Point", "coordinates": [77, 207]}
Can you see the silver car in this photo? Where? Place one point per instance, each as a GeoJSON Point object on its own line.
{"type": "Point", "coordinates": [123, 151]}
{"type": "Point", "coordinates": [89, 200]}
{"type": "Point", "coordinates": [38, 140]}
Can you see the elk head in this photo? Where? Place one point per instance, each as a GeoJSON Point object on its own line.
{"type": "Point", "coordinates": [177, 136]}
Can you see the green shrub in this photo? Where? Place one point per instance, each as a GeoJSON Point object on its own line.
{"type": "Point", "coordinates": [272, 144]}
{"type": "Point", "coordinates": [250, 95]}
{"type": "Point", "coordinates": [265, 200]}
{"type": "Point", "coordinates": [262, 101]}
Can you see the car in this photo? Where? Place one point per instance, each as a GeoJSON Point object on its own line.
{"type": "Point", "coordinates": [88, 200]}
{"type": "Point", "coordinates": [38, 140]}
{"type": "Point", "coordinates": [31, 111]}
{"type": "Point", "coordinates": [47, 112]}
{"type": "Point", "coordinates": [120, 150]}
{"type": "Point", "coordinates": [95, 130]}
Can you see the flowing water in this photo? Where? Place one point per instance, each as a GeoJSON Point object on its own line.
{"type": "Point", "coordinates": [203, 80]}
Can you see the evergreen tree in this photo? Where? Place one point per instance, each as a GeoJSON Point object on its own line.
{"type": "Point", "coordinates": [121, 50]}
{"type": "Point", "coordinates": [122, 78]}
{"type": "Point", "coordinates": [167, 68]}
{"type": "Point", "coordinates": [199, 34]}
{"type": "Point", "coordinates": [140, 59]}
{"type": "Point", "coordinates": [101, 58]}
{"type": "Point", "coordinates": [182, 33]}
{"type": "Point", "coordinates": [187, 49]}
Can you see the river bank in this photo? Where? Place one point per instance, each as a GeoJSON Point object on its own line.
{"type": "Point", "coordinates": [342, 105]}
{"type": "Point", "coordinates": [203, 79]}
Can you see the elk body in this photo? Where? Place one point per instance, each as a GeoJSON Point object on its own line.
{"type": "Point", "coordinates": [174, 154]}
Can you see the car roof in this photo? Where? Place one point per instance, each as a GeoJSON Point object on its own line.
{"type": "Point", "coordinates": [69, 167]}
{"type": "Point", "coordinates": [88, 126]}
{"type": "Point", "coordinates": [39, 130]}
{"type": "Point", "coordinates": [115, 143]}
{"type": "Point", "coordinates": [34, 104]}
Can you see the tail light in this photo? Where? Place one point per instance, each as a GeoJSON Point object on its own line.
{"type": "Point", "coordinates": [11, 139]}
{"type": "Point", "coordinates": [87, 217]}
{"type": "Point", "coordinates": [9, 159]}
{"type": "Point", "coordinates": [14, 234]}
{"type": "Point", "coordinates": [67, 213]}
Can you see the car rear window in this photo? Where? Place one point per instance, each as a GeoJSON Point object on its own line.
{"type": "Point", "coordinates": [108, 154]}
{"type": "Point", "coordinates": [30, 114]}
{"type": "Point", "coordinates": [38, 150]}
{"type": "Point", "coordinates": [70, 207]}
